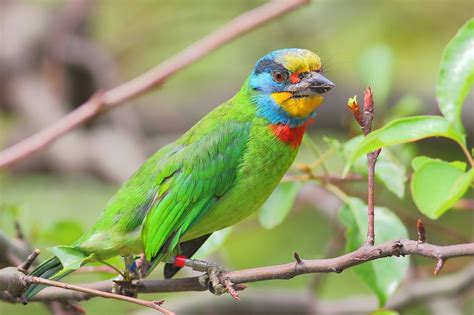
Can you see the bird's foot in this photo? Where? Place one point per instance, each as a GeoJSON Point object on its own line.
{"type": "Point", "coordinates": [124, 283]}
{"type": "Point", "coordinates": [124, 287]}
{"type": "Point", "coordinates": [214, 278]}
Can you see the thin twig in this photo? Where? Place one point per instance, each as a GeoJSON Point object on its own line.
{"type": "Point", "coordinates": [230, 289]}
{"type": "Point", "coordinates": [110, 99]}
{"type": "Point", "coordinates": [420, 227]}
{"type": "Point", "coordinates": [308, 175]}
{"type": "Point", "coordinates": [439, 265]}
{"type": "Point", "coordinates": [297, 258]}
{"type": "Point", "coordinates": [112, 267]}
{"type": "Point", "coordinates": [364, 119]}
{"type": "Point", "coordinates": [313, 147]}
{"type": "Point", "coordinates": [29, 261]}
{"type": "Point", "coordinates": [108, 295]}
{"type": "Point", "coordinates": [104, 269]}
{"type": "Point", "coordinates": [468, 155]}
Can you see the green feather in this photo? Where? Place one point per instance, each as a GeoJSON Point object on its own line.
{"type": "Point", "coordinates": [164, 221]}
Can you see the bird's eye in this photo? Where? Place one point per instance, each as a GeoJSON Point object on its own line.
{"type": "Point", "coordinates": [279, 76]}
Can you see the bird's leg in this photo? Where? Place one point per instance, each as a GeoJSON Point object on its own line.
{"type": "Point", "coordinates": [214, 281]}
{"type": "Point", "coordinates": [131, 272]}
{"type": "Point", "coordinates": [124, 283]}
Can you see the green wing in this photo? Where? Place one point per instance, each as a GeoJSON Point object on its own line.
{"type": "Point", "coordinates": [190, 182]}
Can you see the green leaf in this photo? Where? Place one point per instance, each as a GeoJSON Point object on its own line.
{"type": "Point", "coordinates": [375, 67]}
{"type": "Point", "coordinates": [277, 207]}
{"type": "Point", "coordinates": [382, 276]}
{"type": "Point", "coordinates": [213, 243]}
{"type": "Point", "coordinates": [70, 257]}
{"type": "Point", "coordinates": [405, 130]}
{"type": "Point", "coordinates": [419, 161]}
{"type": "Point", "coordinates": [436, 185]}
{"type": "Point", "coordinates": [390, 171]}
{"type": "Point", "coordinates": [456, 75]}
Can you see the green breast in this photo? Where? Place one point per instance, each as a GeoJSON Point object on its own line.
{"type": "Point", "coordinates": [265, 162]}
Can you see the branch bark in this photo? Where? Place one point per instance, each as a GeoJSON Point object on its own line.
{"type": "Point", "coordinates": [104, 101]}
{"type": "Point", "coordinates": [299, 302]}
{"type": "Point", "coordinates": [13, 280]}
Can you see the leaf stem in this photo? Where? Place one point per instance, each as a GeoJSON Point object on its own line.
{"type": "Point", "coordinates": [338, 192]}
{"type": "Point", "coordinates": [468, 155]}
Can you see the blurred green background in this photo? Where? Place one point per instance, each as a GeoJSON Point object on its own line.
{"type": "Point", "coordinates": [395, 46]}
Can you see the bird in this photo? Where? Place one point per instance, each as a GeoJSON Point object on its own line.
{"type": "Point", "coordinates": [216, 174]}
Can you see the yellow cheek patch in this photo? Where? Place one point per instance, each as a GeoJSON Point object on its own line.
{"type": "Point", "coordinates": [298, 107]}
{"type": "Point", "coordinates": [280, 97]}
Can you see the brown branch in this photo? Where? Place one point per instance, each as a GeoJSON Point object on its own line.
{"type": "Point", "coordinates": [309, 175]}
{"type": "Point", "coordinates": [15, 253]}
{"type": "Point", "coordinates": [363, 254]}
{"type": "Point", "coordinates": [108, 295]}
{"type": "Point", "coordinates": [285, 271]}
{"type": "Point", "coordinates": [29, 261]}
{"type": "Point", "coordinates": [364, 119]}
{"type": "Point", "coordinates": [12, 252]}
{"type": "Point", "coordinates": [104, 101]}
{"type": "Point", "coordinates": [293, 301]}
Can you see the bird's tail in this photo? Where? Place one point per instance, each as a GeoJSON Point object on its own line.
{"type": "Point", "coordinates": [50, 269]}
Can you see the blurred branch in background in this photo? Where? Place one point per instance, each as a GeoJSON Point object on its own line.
{"type": "Point", "coordinates": [63, 69]}
{"type": "Point", "coordinates": [104, 101]}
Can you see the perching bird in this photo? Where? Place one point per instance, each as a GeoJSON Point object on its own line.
{"type": "Point", "coordinates": [219, 172]}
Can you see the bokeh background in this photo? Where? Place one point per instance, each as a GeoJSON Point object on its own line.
{"type": "Point", "coordinates": [55, 54]}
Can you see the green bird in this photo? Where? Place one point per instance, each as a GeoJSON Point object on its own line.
{"type": "Point", "coordinates": [216, 174]}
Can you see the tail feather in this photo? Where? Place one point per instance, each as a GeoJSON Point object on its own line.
{"type": "Point", "coordinates": [50, 269]}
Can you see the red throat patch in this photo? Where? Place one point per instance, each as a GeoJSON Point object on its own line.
{"type": "Point", "coordinates": [287, 134]}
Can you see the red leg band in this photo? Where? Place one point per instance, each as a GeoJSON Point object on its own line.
{"type": "Point", "coordinates": [180, 261]}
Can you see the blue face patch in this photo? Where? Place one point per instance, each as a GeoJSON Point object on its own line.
{"type": "Point", "coordinates": [262, 85]}
{"type": "Point", "coordinates": [267, 108]}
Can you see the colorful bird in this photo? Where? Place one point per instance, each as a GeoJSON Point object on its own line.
{"type": "Point", "coordinates": [219, 172]}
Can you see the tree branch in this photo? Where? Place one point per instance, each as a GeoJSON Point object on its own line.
{"type": "Point", "coordinates": [104, 101]}
{"type": "Point", "coordinates": [156, 305]}
{"type": "Point", "coordinates": [13, 280]}
{"type": "Point", "coordinates": [299, 302]}
{"type": "Point", "coordinates": [363, 254]}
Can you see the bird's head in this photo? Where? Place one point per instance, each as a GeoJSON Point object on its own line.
{"type": "Point", "coordinates": [287, 86]}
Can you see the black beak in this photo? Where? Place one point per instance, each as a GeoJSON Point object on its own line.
{"type": "Point", "coordinates": [319, 83]}
{"type": "Point", "coordinates": [312, 83]}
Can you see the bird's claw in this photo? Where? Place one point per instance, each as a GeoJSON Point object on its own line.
{"type": "Point", "coordinates": [124, 287]}
{"type": "Point", "coordinates": [123, 284]}
{"type": "Point", "coordinates": [216, 284]}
